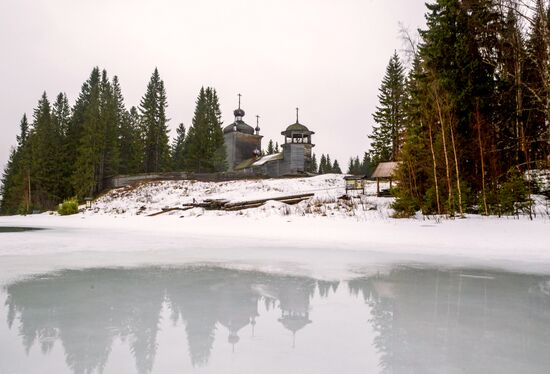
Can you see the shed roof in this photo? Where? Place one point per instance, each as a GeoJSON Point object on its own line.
{"type": "Point", "coordinates": [385, 170]}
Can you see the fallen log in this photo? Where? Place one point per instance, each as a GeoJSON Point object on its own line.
{"type": "Point", "coordinates": [280, 198]}
{"type": "Point", "coordinates": [242, 207]}
{"type": "Point", "coordinates": [221, 204]}
{"type": "Point", "coordinates": [166, 210]}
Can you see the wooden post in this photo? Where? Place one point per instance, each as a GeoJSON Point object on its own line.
{"type": "Point", "coordinates": [390, 183]}
{"type": "Point", "coordinates": [377, 186]}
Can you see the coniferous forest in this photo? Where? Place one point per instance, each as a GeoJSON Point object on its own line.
{"type": "Point", "coordinates": [68, 151]}
{"type": "Point", "coordinates": [469, 120]}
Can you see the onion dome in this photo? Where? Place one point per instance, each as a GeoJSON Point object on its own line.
{"type": "Point", "coordinates": [239, 125]}
{"type": "Point", "coordinates": [238, 112]}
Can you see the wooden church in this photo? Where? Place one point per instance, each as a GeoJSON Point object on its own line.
{"type": "Point", "coordinates": [243, 145]}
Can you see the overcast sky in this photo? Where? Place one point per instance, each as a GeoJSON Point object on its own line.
{"type": "Point", "coordinates": [326, 57]}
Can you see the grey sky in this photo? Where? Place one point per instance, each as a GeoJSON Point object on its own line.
{"type": "Point", "coordinates": [325, 56]}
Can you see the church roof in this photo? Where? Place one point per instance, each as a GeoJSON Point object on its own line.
{"type": "Point", "coordinates": [241, 127]}
{"type": "Point", "coordinates": [297, 127]}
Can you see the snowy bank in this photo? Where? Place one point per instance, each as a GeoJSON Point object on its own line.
{"type": "Point", "coordinates": [320, 246]}
{"type": "Point", "coordinates": [152, 197]}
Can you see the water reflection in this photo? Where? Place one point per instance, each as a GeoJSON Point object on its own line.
{"type": "Point", "coordinates": [86, 310]}
{"type": "Point", "coordinates": [458, 321]}
{"type": "Point", "coordinates": [424, 320]}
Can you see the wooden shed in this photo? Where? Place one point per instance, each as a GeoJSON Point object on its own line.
{"type": "Point", "coordinates": [385, 171]}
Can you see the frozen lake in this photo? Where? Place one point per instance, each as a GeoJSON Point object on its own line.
{"type": "Point", "coordinates": [213, 319]}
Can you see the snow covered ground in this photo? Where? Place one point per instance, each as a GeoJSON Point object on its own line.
{"type": "Point", "coordinates": [153, 196]}
{"type": "Point", "coordinates": [331, 239]}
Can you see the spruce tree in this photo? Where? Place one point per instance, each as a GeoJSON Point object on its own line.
{"type": "Point", "coordinates": [108, 125]}
{"type": "Point", "coordinates": [205, 148]}
{"type": "Point", "coordinates": [61, 117]}
{"type": "Point", "coordinates": [323, 164]}
{"type": "Point", "coordinates": [131, 143]}
{"type": "Point", "coordinates": [314, 167]}
{"type": "Point", "coordinates": [216, 142]}
{"type": "Point", "coordinates": [387, 134]}
{"type": "Point", "coordinates": [61, 114]}
{"type": "Point", "coordinates": [336, 168]}
{"type": "Point", "coordinates": [14, 191]}
{"type": "Point", "coordinates": [46, 174]}
{"type": "Point", "coordinates": [270, 147]}
{"type": "Point", "coordinates": [367, 166]}
{"type": "Point", "coordinates": [350, 166]}
{"type": "Point", "coordinates": [87, 126]}
{"type": "Point", "coordinates": [178, 156]}
{"type": "Point", "coordinates": [153, 112]}
{"type": "Point", "coordinates": [113, 115]}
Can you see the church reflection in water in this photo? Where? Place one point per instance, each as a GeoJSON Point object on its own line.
{"type": "Point", "coordinates": [87, 310]}
{"type": "Point", "coordinates": [423, 319]}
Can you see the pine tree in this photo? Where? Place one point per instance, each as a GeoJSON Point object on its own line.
{"type": "Point", "coordinates": [153, 111]}
{"type": "Point", "coordinates": [178, 156]}
{"type": "Point", "coordinates": [387, 135]}
{"type": "Point", "coordinates": [276, 150]}
{"type": "Point", "coordinates": [328, 166]}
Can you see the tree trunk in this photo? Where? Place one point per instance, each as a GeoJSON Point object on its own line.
{"type": "Point", "coordinates": [447, 167]}
{"type": "Point", "coordinates": [435, 168]}
{"type": "Point", "coordinates": [457, 172]}
{"type": "Point", "coordinates": [481, 157]}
